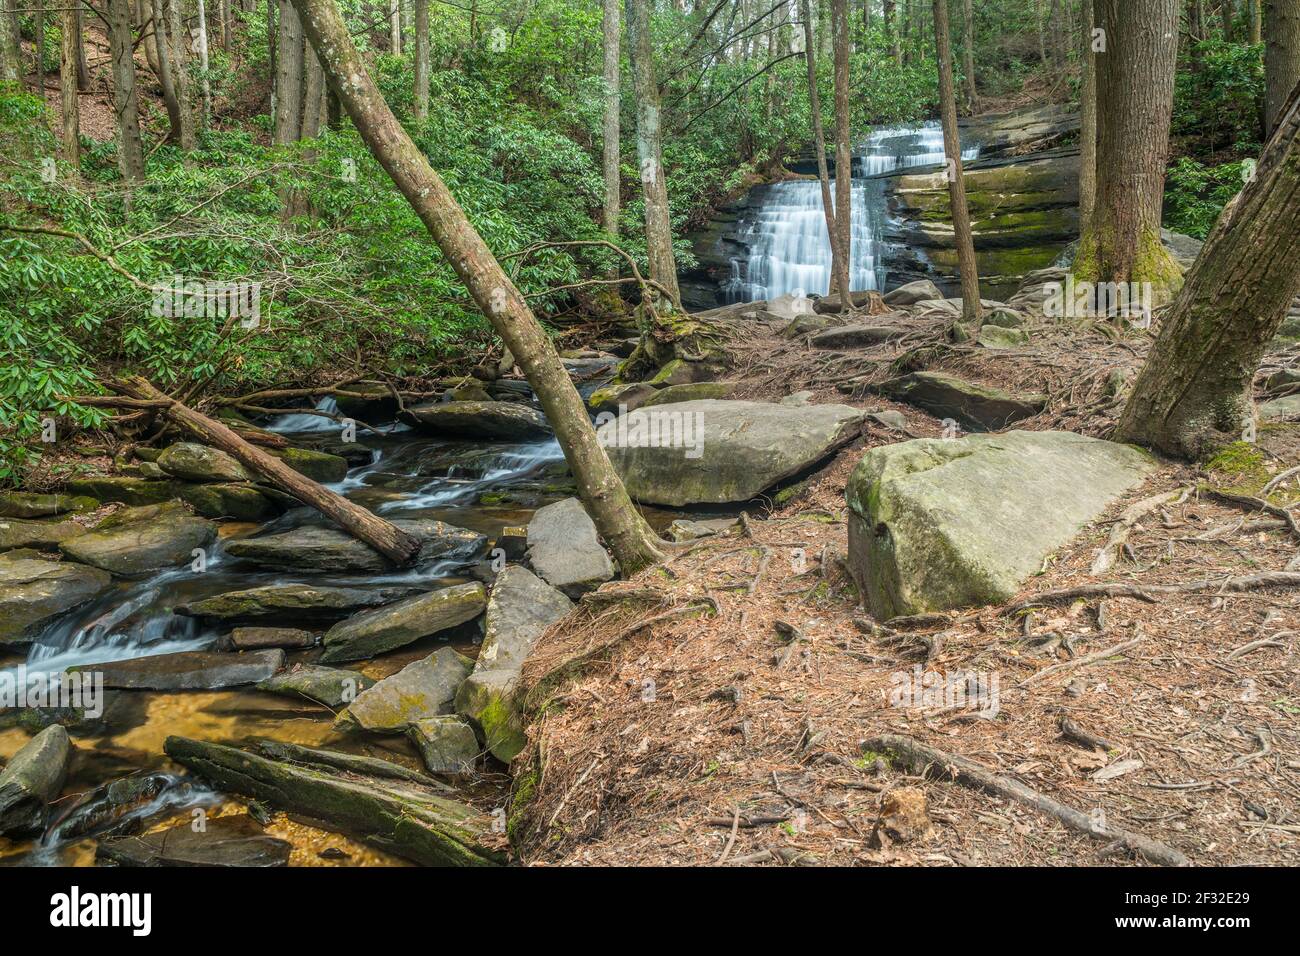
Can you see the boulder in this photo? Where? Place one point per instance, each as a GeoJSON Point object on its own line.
{"type": "Point", "coordinates": [31, 780]}
{"type": "Point", "coordinates": [423, 689]}
{"type": "Point", "coordinates": [316, 465]}
{"type": "Point", "coordinates": [1282, 409]}
{"type": "Point", "coordinates": [682, 372]}
{"type": "Point", "coordinates": [194, 462]}
{"type": "Point", "coordinates": [34, 592]}
{"type": "Point", "coordinates": [290, 603]}
{"type": "Point", "coordinates": [232, 841]}
{"type": "Point", "coordinates": [485, 421]}
{"type": "Point", "coordinates": [520, 609]}
{"type": "Point", "coordinates": [740, 448]}
{"type": "Point", "coordinates": [805, 324]}
{"type": "Point", "coordinates": [236, 502]}
{"type": "Point", "coordinates": [188, 670]}
{"type": "Point", "coordinates": [977, 407]}
{"type": "Point", "coordinates": [913, 292]}
{"type": "Point", "coordinates": [563, 547]}
{"type": "Point", "coordinates": [688, 393]}
{"type": "Point", "coordinates": [334, 687]}
{"type": "Point", "coordinates": [614, 398]}
{"type": "Point", "coordinates": [857, 336]}
{"type": "Point", "coordinates": [25, 504]}
{"type": "Point", "coordinates": [43, 535]}
{"type": "Point", "coordinates": [446, 744]}
{"type": "Point", "coordinates": [788, 307]}
{"type": "Point", "coordinates": [138, 541]}
{"type": "Point", "coordinates": [1000, 337]}
{"type": "Point", "coordinates": [136, 492]}
{"type": "Point", "coordinates": [369, 633]}
{"type": "Point", "coordinates": [1005, 318]}
{"type": "Point", "coordinates": [330, 549]}
{"type": "Point", "coordinates": [944, 523]}
{"type": "Point", "coordinates": [254, 638]}
{"type": "Point", "coordinates": [396, 815]}
{"type": "Point", "coordinates": [684, 529]}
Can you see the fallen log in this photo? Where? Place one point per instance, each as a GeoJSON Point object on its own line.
{"type": "Point", "coordinates": [386, 538]}
{"type": "Point", "coordinates": [911, 754]}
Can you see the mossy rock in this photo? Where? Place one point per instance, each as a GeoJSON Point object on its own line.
{"type": "Point", "coordinates": [316, 465]}
{"type": "Point", "coordinates": [689, 393]}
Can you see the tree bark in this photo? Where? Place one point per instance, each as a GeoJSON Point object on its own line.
{"type": "Point", "coordinates": [961, 228]}
{"type": "Point", "coordinates": [823, 173]}
{"type": "Point", "coordinates": [1281, 57]}
{"type": "Point", "coordinates": [1255, 35]}
{"type": "Point", "coordinates": [1087, 121]}
{"type": "Point", "coordinates": [69, 106]}
{"type": "Point", "coordinates": [166, 72]}
{"type": "Point", "coordinates": [313, 97]}
{"type": "Point", "coordinates": [38, 23]}
{"type": "Point", "coordinates": [968, 55]}
{"type": "Point", "coordinates": [633, 543]}
{"type": "Point", "coordinates": [1193, 394]}
{"type": "Point", "coordinates": [386, 538]}
{"type": "Point", "coordinates": [205, 115]}
{"type": "Point", "coordinates": [11, 61]}
{"type": "Point", "coordinates": [422, 59]}
{"type": "Point", "coordinates": [181, 73]}
{"type": "Point", "coordinates": [890, 14]}
{"type": "Point", "coordinates": [613, 104]}
{"type": "Point", "coordinates": [1135, 97]}
{"type": "Point", "coordinates": [649, 147]}
{"type": "Point", "coordinates": [288, 77]}
{"type": "Point", "coordinates": [130, 151]}
{"type": "Point", "coordinates": [395, 27]}
{"type": "Point", "coordinates": [842, 252]}
{"type": "Point", "coordinates": [227, 25]}
{"type": "Point", "coordinates": [83, 69]}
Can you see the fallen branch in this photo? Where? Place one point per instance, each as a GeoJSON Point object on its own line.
{"type": "Point", "coordinates": [920, 758]}
{"type": "Point", "coordinates": [1238, 583]}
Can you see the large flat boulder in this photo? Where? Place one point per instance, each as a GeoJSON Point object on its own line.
{"type": "Point", "coordinates": [501, 421]}
{"type": "Point", "coordinates": [43, 535]}
{"type": "Point", "coordinates": [191, 461]}
{"type": "Point", "coordinates": [369, 633]}
{"type": "Point", "coordinates": [128, 490]}
{"type": "Point", "coordinates": [564, 549]}
{"type": "Point", "coordinates": [857, 336]}
{"type": "Point", "coordinates": [27, 504]}
{"type": "Point", "coordinates": [332, 686]}
{"type": "Point", "coordinates": [34, 592]}
{"type": "Point", "coordinates": [423, 689]}
{"type": "Point", "coordinates": [139, 541]}
{"type": "Point", "coordinates": [290, 603]}
{"type": "Point", "coordinates": [521, 607]}
{"type": "Point", "coordinates": [189, 670]}
{"type": "Point", "coordinates": [330, 549]}
{"type": "Point", "coordinates": [973, 406]}
{"type": "Point", "coordinates": [913, 292]}
{"type": "Point", "coordinates": [715, 452]}
{"type": "Point", "coordinates": [233, 841]}
{"type": "Point", "coordinates": [944, 523]}
{"type": "Point", "coordinates": [234, 501]}
{"type": "Point", "coordinates": [31, 780]}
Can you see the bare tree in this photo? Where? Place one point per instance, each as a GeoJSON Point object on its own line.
{"type": "Point", "coordinates": [961, 228]}
{"type": "Point", "coordinates": [421, 59]}
{"type": "Point", "coordinates": [288, 77]}
{"type": "Point", "coordinates": [130, 151]}
{"type": "Point", "coordinates": [205, 81]}
{"type": "Point", "coordinates": [69, 107]}
{"type": "Point", "coordinates": [178, 36]}
{"type": "Point", "coordinates": [1281, 57]}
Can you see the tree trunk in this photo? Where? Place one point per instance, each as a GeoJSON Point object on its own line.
{"type": "Point", "coordinates": [968, 55]}
{"type": "Point", "coordinates": [1281, 57]}
{"type": "Point", "coordinates": [69, 106]}
{"type": "Point", "coordinates": [83, 69]}
{"type": "Point", "coordinates": [395, 27]}
{"type": "Point", "coordinates": [166, 73]}
{"type": "Point", "coordinates": [890, 14]}
{"type": "Point", "coordinates": [1135, 96]}
{"type": "Point", "coordinates": [11, 61]}
{"type": "Point", "coordinates": [842, 250]}
{"type": "Point", "coordinates": [1255, 35]}
{"type": "Point", "coordinates": [1193, 394]}
{"type": "Point", "coordinates": [313, 97]}
{"type": "Point", "coordinates": [970, 280]}
{"type": "Point", "coordinates": [613, 104]}
{"type": "Point", "coordinates": [180, 72]}
{"type": "Point", "coordinates": [288, 77]}
{"type": "Point", "coordinates": [422, 59]}
{"type": "Point", "coordinates": [649, 116]}
{"type": "Point", "coordinates": [386, 538]}
{"type": "Point", "coordinates": [130, 151]}
{"type": "Point", "coordinates": [1087, 121]}
{"type": "Point", "coordinates": [823, 173]}
{"type": "Point", "coordinates": [227, 26]}
{"type": "Point", "coordinates": [206, 84]}
{"type": "Point", "coordinates": [38, 24]}
{"type": "Point", "coordinates": [634, 544]}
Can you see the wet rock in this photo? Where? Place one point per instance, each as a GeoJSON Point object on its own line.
{"type": "Point", "coordinates": [329, 549]}
{"type": "Point", "coordinates": [34, 592]}
{"type": "Point", "coordinates": [23, 504]}
{"type": "Point", "coordinates": [937, 524]}
{"type": "Point", "coordinates": [332, 686]}
{"type": "Point", "coordinates": [194, 462]}
{"type": "Point", "coordinates": [521, 608]}
{"type": "Point", "coordinates": [188, 670]}
{"type": "Point", "coordinates": [564, 550]}
{"type": "Point", "coordinates": [997, 337]}
{"type": "Point", "coordinates": [31, 780]}
{"type": "Point", "coordinates": [740, 448]}
{"type": "Point", "coordinates": [370, 633]}
{"type": "Point", "coordinates": [44, 535]}
{"type": "Point", "coordinates": [236, 502]}
{"type": "Point", "coordinates": [913, 292]}
{"type": "Point", "coordinates": [112, 709]}
{"type": "Point", "coordinates": [138, 541]}
{"type": "Point", "coordinates": [290, 603]}
{"type": "Point", "coordinates": [252, 638]}
{"type": "Point", "coordinates": [689, 393]}
{"type": "Point", "coordinates": [223, 842]}
{"type": "Point", "coordinates": [446, 744]}
{"type": "Point", "coordinates": [977, 407]}
{"type": "Point", "coordinates": [352, 763]}
{"type": "Point", "coordinates": [316, 465]}
{"type": "Point", "coordinates": [490, 421]}
{"type": "Point", "coordinates": [858, 336]}
{"type": "Point", "coordinates": [397, 816]}
{"type": "Point", "coordinates": [136, 492]}
{"type": "Point", "coordinates": [514, 542]}
{"type": "Point", "coordinates": [612, 397]}
{"type": "Point", "coordinates": [423, 689]}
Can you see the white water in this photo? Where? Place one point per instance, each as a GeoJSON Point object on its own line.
{"type": "Point", "coordinates": [790, 249]}
{"type": "Point", "coordinates": [303, 422]}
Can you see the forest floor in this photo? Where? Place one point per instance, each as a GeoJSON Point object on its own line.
{"type": "Point", "coordinates": [697, 738]}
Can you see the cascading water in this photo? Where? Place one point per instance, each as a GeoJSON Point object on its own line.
{"type": "Point", "coordinates": [789, 248]}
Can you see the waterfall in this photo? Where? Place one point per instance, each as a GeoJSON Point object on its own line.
{"type": "Point", "coordinates": [303, 422]}
{"type": "Point", "coordinates": [789, 248]}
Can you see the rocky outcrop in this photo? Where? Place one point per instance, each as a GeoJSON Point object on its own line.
{"type": "Point", "coordinates": [370, 633]}
{"type": "Point", "coordinates": [33, 593]}
{"type": "Point", "coordinates": [232, 501]}
{"type": "Point", "coordinates": [31, 780]}
{"type": "Point", "coordinates": [289, 603]}
{"type": "Point", "coordinates": [138, 541]}
{"type": "Point", "coordinates": [423, 689]}
{"type": "Point", "coordinates": [613, 397]}
{"type": "Point", "coordinates": [189, 670]}
{"type": "Point", "coordinates": [937, 524]}
{"type": "Point", "coordinates": [136, 492]}
{"type": "Point", "coordinates": [736, 449]}
{"type": "Point", "coordinates": [973, 406]}
{"type": "Point", "coordinates": [490, 421]}
{"type": "Point", "coordinates": [329, 549]}
{"type": "Point", "coordinates": [1000, 337]}
{"type": "Point", "coordinates": [911, 293]}
{"type": "Point", "coordinates": [564, 550]}
{"type": "Point", "coordinates": [520, 609]}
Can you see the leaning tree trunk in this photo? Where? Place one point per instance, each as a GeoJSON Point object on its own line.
{"type": "Point", "coordinates": [634, 544]}
{"type": "Point", "coordinates": [843, 154]}
{"type": "Point", "coordinates": [1087, 121]}
{"type": "Point", "coordinates": [1281, 57]}
{"type": "Point", "coordinates": [613, 103]}
{"type": "Point", "coordinates": [1135, 98]}
{"type": "Point", "coordinates": [968, 54]}
{"type": "Point", "coordinates": [68, 90]}
{"type": "Point", "coordinates": [961, 228]}
{"type": "Point", "coordinates": [165, 72]}
{"type": "Point", "coordinates": [421, 59]}
{"type": "Point", "coordinates": [841, 288]}
{"type": "Point", "coordinates": [130, 151]}
{"type": "Point", "coordinates": [1193, 394]}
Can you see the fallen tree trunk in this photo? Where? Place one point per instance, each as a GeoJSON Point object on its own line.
{"type": "Point", "coordinates": [386, 538]}
{"type": "Point", "coordinates": [918, 757]}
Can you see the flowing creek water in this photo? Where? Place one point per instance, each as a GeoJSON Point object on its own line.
{"type": "Point", "coordinates": [789, 250]}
